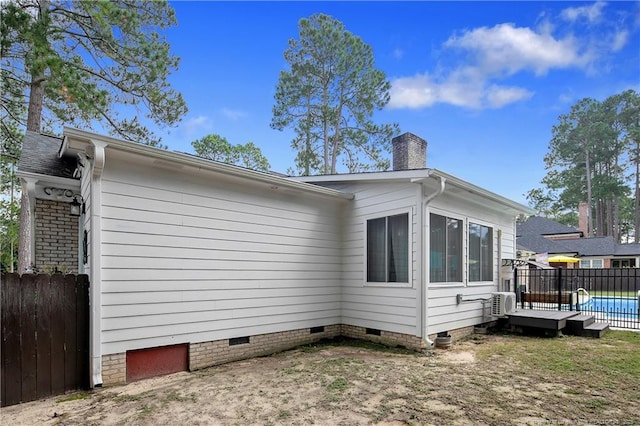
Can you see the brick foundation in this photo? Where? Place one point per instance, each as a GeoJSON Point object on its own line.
{"type": "Point", "coordinates": [56, 237]}
{"type": "Point", "coordinates": [114, 369]}
{"type": "Point", "coordinates": [386, 337]}
{"type": "Point", "coordinates": [206, 354]}
{"type": "Point", "coordinates": [456, 334]}
{"type": "Point", "coordinates": [215, 352]}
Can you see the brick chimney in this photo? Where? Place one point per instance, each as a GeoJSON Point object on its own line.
{"type": "Point", "coordinates": [409, 152]}
{"type": "Point", "coordinates": [583, 219]}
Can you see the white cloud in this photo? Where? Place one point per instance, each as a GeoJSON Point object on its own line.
{"type": "Point", "coordinates": [196, 125]}
{"type": "Point", "coordinates": [233, 114]}
{"type": "Point", "coordinates": [505, 48]}
{"type": "Point", "coordinates": [499, 96]}
{"type": "Point", "coordinates": [591, 13]}
{"type": "Point", "coordinates": [465, 87]}
{"type": "Point", "coordinates": [620, 39]}
{"type": "Point", "coordinates": [488, 55]}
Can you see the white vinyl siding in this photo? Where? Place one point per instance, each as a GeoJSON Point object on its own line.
{"type": "Point", "coordinates": [189, 257]}
{"type": "Point", "coordinates": [442, 309]}
{"type": "Point", "coordinates": [383, 306]}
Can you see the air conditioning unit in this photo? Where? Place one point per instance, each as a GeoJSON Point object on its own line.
{"type": "Point", "coordinates": [502, 303]}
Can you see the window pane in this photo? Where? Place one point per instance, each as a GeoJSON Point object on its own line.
{"type": "Point", "coordinates": [376, 250]}
{"type": "Point", "coordinates": [437, 246]}
{"type": "Point", "coordinates": [585, 264]}
{"type": "Point", "coordinates": [474, 252]}
{"type": "Point", "coordinates": [596, 263]}
{"type": "Point", "coordinates": [454, 250]}
{"type": "Point", "coordinates": [398, 247]}
{"type": "Point", "coordinates": [486, 253]}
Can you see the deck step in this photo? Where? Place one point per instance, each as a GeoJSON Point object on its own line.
{"type": "Point", "coordinates": [597, 329]}
{"type": "Point", "coordinates": [577, 323]}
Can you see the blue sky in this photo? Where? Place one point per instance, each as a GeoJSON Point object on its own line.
{"type": "Point", "coordinates": [483, 82]}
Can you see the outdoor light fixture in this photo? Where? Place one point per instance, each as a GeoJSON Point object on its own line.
{"type": "Point", "coordinates": [75, 207]}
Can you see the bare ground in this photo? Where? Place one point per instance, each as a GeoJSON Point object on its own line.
{"type": "Point", "coordinates": [485, 380]}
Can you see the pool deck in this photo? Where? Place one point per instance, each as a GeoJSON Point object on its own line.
{"type": "Point", "coordinates": [570, 322]}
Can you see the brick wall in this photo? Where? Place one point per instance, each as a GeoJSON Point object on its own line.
{"type": "Point", "coordinates": [206, 354]}
{"type": "Point", "coordinates": [217, 352]}
{"type": "Point", "coordinates": [409, 152]}
{"type": "Point", "coordinates": [456, 334]}
{"type": "Point", "coordinates": [56, 237]}
{"type": "Point", "coordinates": [386, 337]}
{"type": "Point", "coordinates": [114, 368]}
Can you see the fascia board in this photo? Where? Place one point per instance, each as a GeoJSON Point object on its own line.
{"type": "Point", "coordinates": [452, 180]}
{"type": "Point", "coordinates": [200, 163]}
{"type": "Point", "coordinates": [56, 180]}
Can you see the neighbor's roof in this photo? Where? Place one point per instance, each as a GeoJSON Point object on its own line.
{"type": "Point", "coordinates": [538, 225]}
{"type": "Point", "coordinates": [598, 246]}
{"type": "Point", "coordinates": [630, 249]}
{"type": "Point", "coordinates": [40, 156]}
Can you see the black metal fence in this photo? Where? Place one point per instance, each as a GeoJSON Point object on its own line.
{"type": "Point", "coordinates": [611, 295]}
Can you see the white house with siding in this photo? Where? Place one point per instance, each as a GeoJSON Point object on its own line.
{"type": "Point", "coordinates": [194, 262]}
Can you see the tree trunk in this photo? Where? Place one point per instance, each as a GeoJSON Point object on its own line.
{"type": "Point", "coordinates": [36, 98]}
{"type": "Point", "coordinates": [616, 219]}
{"type": "Point", "coordinates": [636, 224]}
{"type": "Point", "coordinates": [589, 197]}
{"type": "Point", "coordinates": [609, 211]}
{"type": "Point", "coordinates": [24, 240]}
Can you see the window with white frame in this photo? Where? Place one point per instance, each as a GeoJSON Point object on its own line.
{"type": "Point", "coordinates": [591, 263]}
{"type": "Point", "coordinates": [445, 243]}
{"type": "Point", "coordinates": [388, 249]}
{"type": "Point", "coordinates": [480, 252]}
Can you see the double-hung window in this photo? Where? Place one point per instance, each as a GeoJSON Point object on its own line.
{"type": "Point", "coordinates": [445, 242]}
{"type": "Point", "coordinates": [388, 249]}
{"type": "Point", "coordinates": [480, 252]}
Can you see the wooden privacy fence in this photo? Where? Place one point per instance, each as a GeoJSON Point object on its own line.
{"type": "Point", "coordinates": [45, 336]}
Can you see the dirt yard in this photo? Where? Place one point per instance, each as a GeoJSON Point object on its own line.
{"type": "Point", "coordinates": [485, 380]}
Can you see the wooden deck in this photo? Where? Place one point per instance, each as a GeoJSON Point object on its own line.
{"type": "Point", "coordinates": [555, 322]}
{"type": "Point", "coordinates": [548, 320]}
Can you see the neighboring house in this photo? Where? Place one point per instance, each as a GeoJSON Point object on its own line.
{"type": "Point", "coordinates": [541, 235]}
{"type": "Point", "coordinates": [202, 262]}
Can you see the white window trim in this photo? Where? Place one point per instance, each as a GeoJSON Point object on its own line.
{"type": "Point", "coordinates": [379, 215]}
{"type": "Point", "coordinates": [591, 263]}
{"type": "Point", "coordinates": [451, 215]}
{"type": "Point", "coordinates": [484, 223]}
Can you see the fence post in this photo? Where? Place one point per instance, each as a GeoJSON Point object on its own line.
{"type": "Point", "coordinates": [559, 289]}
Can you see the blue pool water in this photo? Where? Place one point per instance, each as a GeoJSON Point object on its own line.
{"type": "Point", "coordinates": [619, 307]}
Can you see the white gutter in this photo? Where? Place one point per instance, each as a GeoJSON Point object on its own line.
{"type": "Point", "coordinates": [201, 163]}
{"type": "Point", "coordinates": [96, 262]}
{"type": "Point", "coordinates": [423, 262]}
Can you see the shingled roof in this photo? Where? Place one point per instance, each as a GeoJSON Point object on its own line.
{"type": "Point", "coordinates": [538, 225]}
{"type": "Point", "coordinates": [40, 155]}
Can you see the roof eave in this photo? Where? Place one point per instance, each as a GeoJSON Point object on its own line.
{"type": "Point", "coordinates": [214, 166]}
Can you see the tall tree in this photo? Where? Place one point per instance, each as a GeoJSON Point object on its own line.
{"type": "Point", "coordinates": [81, 63]}
{"type": "Point", "coordinates": [590, 154]}
{"type": "Point", "coordinates": [328, 96]}
{"type": "Point", "coordinates": [84, 62]}
{"type": "Point", "coordinates": [217, 148]}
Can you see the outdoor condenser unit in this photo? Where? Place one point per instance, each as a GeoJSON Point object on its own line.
{"type": "Point", "coordinates": [502, 303]}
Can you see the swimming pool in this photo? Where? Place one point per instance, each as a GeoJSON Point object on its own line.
{"type": "Point", "coordinates": [614, 307]}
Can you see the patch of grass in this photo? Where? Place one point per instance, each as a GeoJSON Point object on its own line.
{"type": "Point", "coordinates": [74, 397]}
{"type": "Point", "coordinates": [338, 384]}
{"type": "Point", "coordinates": [284, 414]}
{"type": "Point", "coordinates": [146, 410]}
{"type": "Point", "coordinates": [127, 398]}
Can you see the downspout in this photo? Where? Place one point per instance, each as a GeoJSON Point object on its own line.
{"type": "Point", "coordinates": [96, 262]}
{"type": "Point", "coordinates": [423, 293]}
